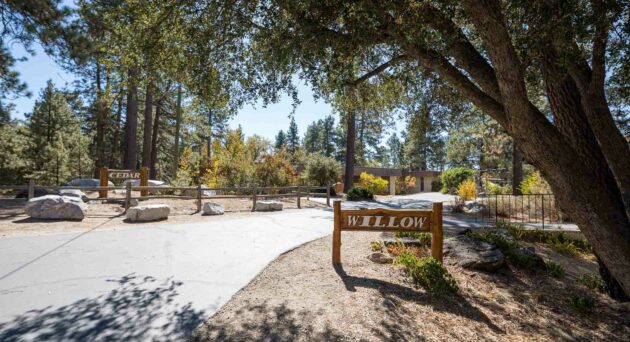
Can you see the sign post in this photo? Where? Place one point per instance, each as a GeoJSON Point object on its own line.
{"type": "Point", "coordinates": [388, 220]}
{"type": "Point", "coordinates": [103, 182]}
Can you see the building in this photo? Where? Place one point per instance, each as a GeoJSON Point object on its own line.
{"type": "Point", "coordinates": [423, 178]}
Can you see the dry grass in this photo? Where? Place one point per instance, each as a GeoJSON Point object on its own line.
{"type": "Point", "coordinates": [301, 297]}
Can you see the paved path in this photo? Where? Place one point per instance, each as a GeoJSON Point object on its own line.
{"type": "Point", "coordinates": [147, 283]}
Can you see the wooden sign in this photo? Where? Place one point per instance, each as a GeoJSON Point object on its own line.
{"type": "Point", "coordinates": [388, 220]}
{"type": "Point", "coordinates": [123, 174]}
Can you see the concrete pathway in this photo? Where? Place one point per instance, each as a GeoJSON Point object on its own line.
{"type": "Point", "coordinates": [147, 283]}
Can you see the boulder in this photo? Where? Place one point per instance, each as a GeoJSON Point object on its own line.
{"type": "Point", "coordinates": [74, 193]}
{"type": "Point", "coordinates": [211, 208]}
{"type": "Point", "coordinates": [151, 182]}
{"type": "Point", "coordinates": [268, 206]}
{"type": "Point", "coordinates": [381, 258]}
{"type": "Point", "coordinates": [150, 212]}
{"type": "Point", "coordinates": [193, 192]}
{"type": "Point", "coordinates": [473, 254]}
{"type": "Point", "coordinates": [54, 207]}
{"type": "Point", "coordinates": [37, 193]}
{"type": "Point", "coordinates": [87, 182]}
{"type": "Point", "coordinates": [133, 202]}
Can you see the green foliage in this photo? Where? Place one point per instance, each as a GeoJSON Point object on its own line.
{"type": "Point", "coordinates": [496, 189]}
{"type": "Point", "coordinates": [404, 184]}
{"type": "Point", "coordinates": [376, 246]}
{"type": "Point", "coordinates": [359, 193]}
{"type": "Point", "coordinates": [281, 140]}
{"type": "Point", "coordinates": [14, 143]}
{"type": "Point", "coordinates": [534, 184]}
{"type": "Point", "coordinates": [511, 249]}
{"type": "Point", "coordinates": [428, 273]}
{"type": "Point", "coordinates": [436, 186]}
{"type": "Point", "coordinates": [275, 170]}
{"type": "Point", "coordinates": [424, 237]}
{"type": "Point", "coordinates": [555, 270]}
{"type": "Point", "coordinates": [321, 170]}
{"type": "Point", "coordinates": [556, 240]}
{"type": "Point", "coordinates": [451, 179]}
{"type": "Point", "coordinates": [293, 137]}
{"type": "Point", "coordinates": [373, 184]}
{"type": "Point", "coordinates": [582, 304]}
{"type": "Point", "coordinates": [592, 281]}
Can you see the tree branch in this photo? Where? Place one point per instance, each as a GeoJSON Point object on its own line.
{"type": "Point", "coordinates": [378, 70]}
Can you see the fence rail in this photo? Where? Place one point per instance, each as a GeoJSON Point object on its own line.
{"type": "Point", "coordinates": [161, 192]}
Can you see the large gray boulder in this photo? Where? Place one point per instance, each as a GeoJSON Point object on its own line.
{"type": "Point", "coordinates": [74, 193]}
{"type": "Point", "coordinates": [268, 206]}
{"type": "Point", "coordinates": [87, 182]}
{"type": "Point", "coordinates": [193, 192]}
{"type": "Point", "coordinates": [150, 212]}
{"type": "Point", "coordinates": [473, 254]}
{"type": "Point", "coordinates": [211, 208]}
{"type": "Point", "coordinates": [381, 258]}
{"type": "Point", "coordinates": [53, 207]}
{"type": "Point", "coordinates": [151, 182]}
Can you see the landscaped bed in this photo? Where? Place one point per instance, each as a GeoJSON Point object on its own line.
{"type": "Point", "coordinates": [301, 296]}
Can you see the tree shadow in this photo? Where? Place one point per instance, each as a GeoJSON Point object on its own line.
{"type": "Point", "coordinates": [454, 304]}
{"type": "Point", "coordinates": [267, 322]}
{"type": "Point", "coordinates": [140, 308]}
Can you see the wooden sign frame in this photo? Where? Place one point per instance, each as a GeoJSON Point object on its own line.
{"type": "Point", "coordinates": [388, 220]}
{"type": "Point", "coordinates": [104, 176]}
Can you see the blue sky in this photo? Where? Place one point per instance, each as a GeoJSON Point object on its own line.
{"type": "Point", "coordinates": [38, 69]}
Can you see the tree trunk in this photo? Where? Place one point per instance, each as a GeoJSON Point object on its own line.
{"type": "Point", "coordinates": [101, 115]}
{"type": "Point", "coordinates": [350, 159]}
{"type": "Point", "coordinates": [148, 127]}
{"type": "Point", "coordinates": [178, 121]}
{"type": "Point", "coordinates": [115, 157]}
{"type": "Point", "coordinates": [154, 140]}
{"type": "Point", "coordinates": [209, 139]}
{"type": "Point", "coordinates": [517, 170]}
{"type": "Point", "coordinates": [131, 123]}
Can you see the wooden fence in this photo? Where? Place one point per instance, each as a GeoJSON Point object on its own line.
{"type": "Point", "coordinates": [250, 192]}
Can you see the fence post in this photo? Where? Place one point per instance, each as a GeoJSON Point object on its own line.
{"type": "Point", "coordinates": [103, 182]}
{"type": "Point", "coordinates": [254, 198]}
{"type": "Point", "coordinates": [144, 180]}
{"type": "Point", "coordinates": [328, 194]}
{"type": "Point", "coordinates": [127, 195]}
{"type": "Point", "coordinates": [299, 190]}
{"type": "Point", "coordinates": [198, 197]}
{"type": "Point", "coordinates": [31, 188]}
{"type": "Point", "coordinates": [543, 212]}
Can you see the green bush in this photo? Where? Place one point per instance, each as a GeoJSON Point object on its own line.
{"type": "Point", "coordinates": [511, 249]}
{"type": "Point", "coordinates": [374, 184]}
{"type": "Point", "coordinates": [582, 304]}
{"type": "Point", "coordinates": [592, 281]}
{"type": "Point", "coordinates": [451, 179]}
{"type": "Point", "coordinates": [436, 186]}
{"type": "Point", "coordinates": [424, 237]}
{"type": "Point", "coordinates": [496, 189]}
{"type": "Point", "coordinates": [428, 273]}
{"type": "Point", "coordinates": [359, 193]}
{"type": "Point", "coordinates": [534, 184]}
{"type": "Point", "coordinates": [555, 270]}
{"type": "Point", "coordinates": [321, 170]}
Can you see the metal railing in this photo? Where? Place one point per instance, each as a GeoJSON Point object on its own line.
{"type": "Point", "coordinates": [531, 208]}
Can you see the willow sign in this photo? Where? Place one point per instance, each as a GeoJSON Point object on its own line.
{"type": "Point", "coordinates": [387, 220]}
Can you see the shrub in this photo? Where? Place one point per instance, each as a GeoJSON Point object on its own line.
{"type": "Point", "coordinates": [451, 179]}
{"type": "Point", "coordinates": [511, 249]}
{"type": "Point", "coordinates": [436, 185]}
{"type": "Point", "coordinates": [534, 184]}
{"type": "Point", "coordinates": [555, 270]}
{"type": "Point", "coordinates": [404, 184]}
{"type": "Point", "coordinates": [376, 246]}
{"type": "Point", "coordinates": [467, 190]}
{"type": "Point", "coordinates": [399, 248]}
{"type": "Point", "coordinates": [428, 273]}
{"type": "Point", "coordinates": [375, 185]}
{"type": "Point", "coordinates": [592, 281]}
{"type": "Point", "coordinates": [275, 170]}
{"type": "Point", "coordinates": [582, 303]}
{"type": "Point", "coordinates": [321, 170]}
{"type": "Point", "coordinates": [359, 193]}
{"type": "Point", "coordinates": [495, 189]}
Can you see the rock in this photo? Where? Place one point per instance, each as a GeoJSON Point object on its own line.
{"type": "Point", "coordinates": [53, 207]}
{"type": "Point", "coordinates": [268, 206]}
{"type": "Point", "coordinates": [150, 212]}
{"type": "Point", "coordinates": [381, 258]}
{"type": "Point", "coordinates": [133, 202]}
{"type": "Point", "coordinates": [37, 193]}
{"type": "Point", "coordinates": [473, 254]}
{"type": "Point", "coordinates": [211, 208]}
{"type": "Point", "coordinates": [151, 182]}
{"type": "Point", "coordinates": [87, 182]}
{"type": "Point", "coordinates": [74, 193]}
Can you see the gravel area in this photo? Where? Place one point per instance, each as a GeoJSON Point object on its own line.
{"type": "Point", "coordinates": [302, 297]}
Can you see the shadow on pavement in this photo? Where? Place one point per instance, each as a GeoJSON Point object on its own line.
{"type": "Point", "coordinates": [138, 309]}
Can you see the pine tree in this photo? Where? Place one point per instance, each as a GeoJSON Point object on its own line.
{"type": "Point", "coordinates": [281, 140]}
{"type": "Point", "coordinates": [293, 137]}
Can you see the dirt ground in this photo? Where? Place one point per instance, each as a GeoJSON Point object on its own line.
{"type": "Point", "coordinates": [302, 297]}
{"type": "Point", "coordinates": [110, 214]}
